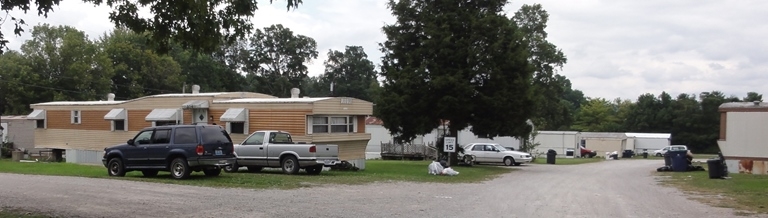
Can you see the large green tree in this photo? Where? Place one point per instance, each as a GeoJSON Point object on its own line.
{"type": "Point", "coordinates": [461, 61]}
{"type": "Point", "coordinates": [17, 84]}
{"type": "Point", "coordinates": [274, 60]}
{"type": "Point", "coordinates": [550, 111]}
{"type": "Point", "coordinates": [200, 25]}
{"type": "Point", "coordinates": [68, 61]}
{"type": "Point", "coordinates": [350, 72]}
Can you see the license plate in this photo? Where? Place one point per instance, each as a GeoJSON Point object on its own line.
{"type": "Point", "coordinates": [218, 152]}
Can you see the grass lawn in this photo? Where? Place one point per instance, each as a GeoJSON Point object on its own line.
{"type": "Point", "coordinates": [742, 192]}
{"type": "Point", "coordinates": [376, 170]}
{"type": "Point", "coordinates": [16, 213]}
{"type": "Point", "coordinates": [568, 161]}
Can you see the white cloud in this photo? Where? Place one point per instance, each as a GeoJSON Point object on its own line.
{"type": "Point", "coordinates": [615, 48]}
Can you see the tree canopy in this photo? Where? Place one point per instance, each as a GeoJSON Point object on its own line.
{"type": "Point", "coordinates": [461, 61]}
{"type": "Point", "coordinates": [198, 25]}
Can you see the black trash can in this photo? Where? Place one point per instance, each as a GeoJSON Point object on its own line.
{"type": "Point", "coordinates": [627, 154]}
{"type": "Point", "coordinates": [551, 154]}
{"type": "Point", "coordinates": [679, 160]}
{"type": "Point", "coordinates": [715, 168]}
{"type": "Point", "coordinates": [645, 153]}
{"type": "Point", "coordinates": [667, 160]}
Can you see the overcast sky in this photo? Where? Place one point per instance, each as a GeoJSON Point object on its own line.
{"type": "Point", "coordinates": [615, 48]}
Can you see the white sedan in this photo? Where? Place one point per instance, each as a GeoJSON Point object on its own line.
{"type": "Point", "coordinates": [483, 152]}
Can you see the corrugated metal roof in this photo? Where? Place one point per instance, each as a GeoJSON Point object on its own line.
{"type": "Point", "coordinates": [270, 100]}
{"type": "Point", "coordinates": [649, 135]}
{"type": "Point", "coordinates": [161, 114]}
{"type": "Point", "coordinates": [13, 117]}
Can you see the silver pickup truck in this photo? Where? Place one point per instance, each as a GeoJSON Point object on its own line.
{"type": "Point", "coordinates": [271, 148]}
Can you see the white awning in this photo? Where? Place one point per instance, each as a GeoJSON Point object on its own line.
{"type": "Point", "coordinates": [115, 114]}
{"type": "Point", "coordinates": [233, 115]}
{"type": "Point", "coordinates": [37, 114]}
{"type": "Point", "coordinates": [194, 104]}
{"type": "Point", "coordinates": [162, 115]}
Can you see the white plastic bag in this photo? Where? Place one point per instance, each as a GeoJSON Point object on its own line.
{"type": "Point", "coordinates": [449, 171]}
{"type": "Point", "coordinates": [435, 168]}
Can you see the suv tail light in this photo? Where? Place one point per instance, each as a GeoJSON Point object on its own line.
{"type": "Point", "coordinates": [199, 149]}
{"type": "Point", "coordinates": [312, 149]}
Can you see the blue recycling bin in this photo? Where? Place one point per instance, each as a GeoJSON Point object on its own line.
{"type": "Point", "coordinates": [679, 160]}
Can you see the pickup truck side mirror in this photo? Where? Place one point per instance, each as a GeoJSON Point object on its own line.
{"type": "Point", "coordinates": [130, 142]}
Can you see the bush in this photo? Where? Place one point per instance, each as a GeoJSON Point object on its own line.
{"type": "Point", "coordinates": [6, 149]}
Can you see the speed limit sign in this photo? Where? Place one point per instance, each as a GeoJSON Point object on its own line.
{"type": "Point", "coordinates": [450, 144]}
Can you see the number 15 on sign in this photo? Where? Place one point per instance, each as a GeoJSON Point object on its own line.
{"type": "Point", "coordinates": [450, 144]}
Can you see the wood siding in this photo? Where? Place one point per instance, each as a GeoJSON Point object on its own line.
{"type": "Point", "coordinates": [216, 113]}
{"type": "Point", "coordinates": [137, 119]}
{"type": "Point", "coordinates": [351, 150]}
{"type": "Point", "coordinates": [293, 121]}
{"type": "Point", "coordinates": [360, 124]}
{"type": "Point", "coordinates": [723, 126]}
{"type": "Point", "coordinates": [89, 120]}
{"type": "Point", "coordinates": [80, 139]}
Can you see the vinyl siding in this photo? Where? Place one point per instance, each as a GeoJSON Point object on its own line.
{"type": "Point", "coordinates": [293, 121]}
{"type": "Point", "coordinates": [80, 139]}
{"type": "Point", "coordinates": [137, 119]}
{"type": "Point", "coordinates": [334, 106]}
{"type": "Point", "coordinates": [89, 120]}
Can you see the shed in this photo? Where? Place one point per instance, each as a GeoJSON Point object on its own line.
{"type": "Point", "coordinates": [20, 131]}
{"type": "Point", "coordinates": [560, 141]}
{"type": "Point", "coordinates": [93, 125]}
{"type": "Point", "coordinates": [602, 142]}
{"type": "Point", "coordinates": [742, 136]}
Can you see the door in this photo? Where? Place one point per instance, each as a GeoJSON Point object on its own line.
{"type": "Point", "coordinates": [157, 151]}
{"type": "Point", "coordinates": [253, 151]}
{"type": "Point", "coordinates": [200, 116]}
{"type": "Point", "coordinates": [479, 151]}
{"type": "Point", "coordinates": [133, 155]}
{"type": "Point", "coordinates": [495, 154]}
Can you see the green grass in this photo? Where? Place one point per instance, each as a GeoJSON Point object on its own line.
{"type": "Point", "coordinates": [7, 212]}
{"type": "Point", "coordinates": [743, 192]}
{"type": "Point", "coordinates": [376, 171]}
{"type": "Point", "coordinates": [568, 161]}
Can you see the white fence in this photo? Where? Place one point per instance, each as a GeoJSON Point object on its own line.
{"type": "Point", "coordinates": [84, 156]}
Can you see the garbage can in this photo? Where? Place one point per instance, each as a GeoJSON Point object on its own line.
{"type": "Point", "coordinates": [551, 154]}
{"type": "Point", "coordinates": [679, 160]}
{"type": "Point", "coordinates": [645, 153]}
{"type": "Point", "coordinates": [627, 154]}
{"type": "Point", "coordinates": [17, 155]}
{"type": "Point", "coordinates": [667, 160]}
{"type": "Point", "coordinates": [715, 168]}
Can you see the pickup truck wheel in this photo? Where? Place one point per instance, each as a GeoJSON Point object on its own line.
{"type": "Point", "coordinates": [212, 172]}
{"type": "Point", "coordinates": [116, 167]}
{"type": "Point", "coordinates": [149, 173]}
{"type": "Point", "coordinates": [509, 161]}
{"type": "Point", "coordinates": [254, 169]}
{"type": "Point", "coordinates": [314, 170]}
{"type": "Point", "coordinates": [290, 165]}
{"type": "Point", "coordinates": [232, 168]}
{"type": "Point", "coordinates": [180, 169]}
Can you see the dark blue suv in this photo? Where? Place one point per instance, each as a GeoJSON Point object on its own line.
{"type": "Point", "coordinates": [179, 149]}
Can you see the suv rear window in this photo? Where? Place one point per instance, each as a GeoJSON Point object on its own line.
{"type": "Point", "coordinates": [215, 135]}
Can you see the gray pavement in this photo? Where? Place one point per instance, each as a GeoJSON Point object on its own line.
{"type": "Point", "coordinates": [606, 189]}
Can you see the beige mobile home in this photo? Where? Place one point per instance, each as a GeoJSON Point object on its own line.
{"type": "Point", "coordinates": [742, 136]}
{"type": "Point", "coordinates": [80, 127]}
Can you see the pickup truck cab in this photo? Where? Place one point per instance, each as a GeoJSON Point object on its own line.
{"type": "Point", "coordinates": [272, 148]}
{"type": "Point", "coordinates": [179, 149]}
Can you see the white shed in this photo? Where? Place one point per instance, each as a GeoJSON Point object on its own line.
{"type": "Point", "coordinates": [559, 141]}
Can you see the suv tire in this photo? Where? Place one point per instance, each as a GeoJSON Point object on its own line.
{"type": "Point", "coordinates": [212, 172]}
{"type": "Point", "coordinates": [116, 167]}
{"type": "Point", "coordinates": [180, 169]}
{"type": "Point", "coordinates": [232, 168]}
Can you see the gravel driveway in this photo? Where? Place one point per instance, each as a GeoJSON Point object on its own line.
{"type": "Point", "coordinates": [622, 188]}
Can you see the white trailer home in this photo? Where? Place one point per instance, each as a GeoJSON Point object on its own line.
{"type": "Point", "coordinates": [560, 141]}
{"type": "Point", "coordinates": [742, 136]}
{"type": "Point", "coordinates": [650, 141]}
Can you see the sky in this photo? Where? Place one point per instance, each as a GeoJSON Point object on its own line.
{"type": "Point", "coordinates": [615, 48]}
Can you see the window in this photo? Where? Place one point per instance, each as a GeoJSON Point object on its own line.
{"type": "Point", "coordinates": [478, 148]}
{"type": "Point", "coordinates": [236, 127]}
{"type": "Point", "coordinates": [143, 137]}
{"type": "Point", "coordinates": [215, 134]}
{"type": "Point", "coordinates": [185, 135]}
{"type": "Point", "coordinates": [280, 137]}
{"type": "Point", "coordinates": [255, 139]}
{"type": "Point", "coordinates": [40, 124]}
{"type": "Point", "coordinates": [119, 125]}
{"type": "Point", "coordinates": [333, 124]}
{"type": "Point", "coordinates": [162, 136]}
{"type": "Point", "coordinates": [75, 118]}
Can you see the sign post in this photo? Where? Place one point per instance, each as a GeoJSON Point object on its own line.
{"type": "Point", "coordinates": [450, 144]}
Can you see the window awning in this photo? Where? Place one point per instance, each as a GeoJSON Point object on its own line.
{"type": "Point", "coordinates": [115, 114]}
{"type": "Point", "coordinates": [194, 104]}
{"type": "Point", "coordinates": [37, 114]}
{"type": "Point", "coordinates": [233, 115]}
{"type": "Point", "coordinates": [162, 115]}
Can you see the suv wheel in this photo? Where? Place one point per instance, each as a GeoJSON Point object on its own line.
{"type": "Point", "coordinates": [180, 169]}
{"type": "Point", "coordinates": [212, 172]}
{"type": "Point", "coordinates": [232, 168]}
{"type": "Point", "coordinates": [290, 165]}
{"type": "Point", "coordinates": [314, 170]}
{"type": "Point", "coordinates": [116, 167]}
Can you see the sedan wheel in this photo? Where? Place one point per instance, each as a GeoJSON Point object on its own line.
{"type": "Point", "coordinates": [508, 161]}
